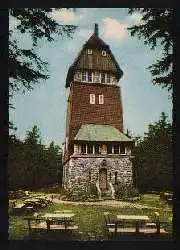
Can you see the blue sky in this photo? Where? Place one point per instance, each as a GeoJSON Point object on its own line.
{"type": "Point", "coordinates": [45, 106]}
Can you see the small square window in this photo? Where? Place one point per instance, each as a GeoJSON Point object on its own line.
{"type": "Point", "coordinates": [92, 98]}
{"type": "Point", "coordinates": [103, 53]}
{"type": "Point", "coordinates": [101, 99]}
{"type": "Point", "coordinates": [89, 51]}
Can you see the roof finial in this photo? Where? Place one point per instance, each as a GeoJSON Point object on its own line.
{"type": "Point", "coordinates": [96, 29]}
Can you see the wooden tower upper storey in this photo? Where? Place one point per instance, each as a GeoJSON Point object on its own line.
{"type": "Point", "coordinates": [94, 97]}
{"type": "Point", "coordinates": [94, 64]}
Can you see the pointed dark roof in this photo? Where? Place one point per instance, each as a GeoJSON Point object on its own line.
{"type": "Point", "coordinates": [94, 42]}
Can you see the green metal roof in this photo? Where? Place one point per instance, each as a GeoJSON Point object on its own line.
{"type": "Point", "coordinates": [98, 132]}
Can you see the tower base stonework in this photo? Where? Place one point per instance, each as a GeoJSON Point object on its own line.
{"type": "Point", "coordinates": [80, 172]}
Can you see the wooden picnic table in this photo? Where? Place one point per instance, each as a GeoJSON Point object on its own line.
{"type": "Point", "coordinates": [138, 219]}
{"type": "Point", "coordinates": [51, 221]}
{"type": "Point", "coordinates": [62, 217]}
{"type": "Point", "coordinates": [19, 205]}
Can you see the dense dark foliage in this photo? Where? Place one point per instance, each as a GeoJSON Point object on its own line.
{"type": "Point", "coordinates": [153, 157]}
{"type": "Point", "coordinates": [32, 165]}
{"type": "Point", "coordinates": [26, 67]}
{"type": "Point", "coordinates": [155, 28]}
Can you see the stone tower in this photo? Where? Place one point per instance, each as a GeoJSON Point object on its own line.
{"type": "Point", "coordinates": [95, 150]}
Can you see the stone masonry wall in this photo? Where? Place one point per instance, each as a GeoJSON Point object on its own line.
{"type": "Point", "coordinates": [78, 168]}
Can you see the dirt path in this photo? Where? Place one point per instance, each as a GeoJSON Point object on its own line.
{"type": "Point", "coordinates": [111, 203]}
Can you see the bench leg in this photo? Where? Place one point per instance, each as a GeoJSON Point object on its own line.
{"type": "Point", "coordinates": [137, 227]}
{"type": "Point", "coordinates": [48, 225]}
{"type": "Point", "coordinates": [29, 227]}
{"type": "Point", "coordinates": [158, 227]}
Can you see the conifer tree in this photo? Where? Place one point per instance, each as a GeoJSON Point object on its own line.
{"type": "Point", "coordinates": [155, 28]}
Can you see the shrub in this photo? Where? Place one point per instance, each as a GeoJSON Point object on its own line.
{"type": "Point", "coordinates": [16, 194]}
{"type": "Point", "coordinates": [124, 191]}
{"type": "Point", "coordinates": [93, 192]}
{"type": "Point", "coordinates": [165, 196]}
{"type": "Point", "coordinates": [91, 195]}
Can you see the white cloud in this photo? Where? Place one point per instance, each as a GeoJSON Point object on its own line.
{"type": "Point", "coordinates": [13, 22]}
{"type": "Point", "coordinates": [114, 29]}
{"type": "Point", "coordinates": [64, 15]}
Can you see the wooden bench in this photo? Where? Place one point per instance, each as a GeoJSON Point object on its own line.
{"type": "Point", "coordinates": [142, 227]}
{"type": "Point", "coordinates": [35, 224]}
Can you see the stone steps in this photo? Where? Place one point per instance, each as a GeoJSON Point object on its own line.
{"type": "Point", "coordinates": [106, 195]}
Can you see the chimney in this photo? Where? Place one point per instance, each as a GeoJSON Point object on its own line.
{"type": "Point", "coordinates": [96, 29]}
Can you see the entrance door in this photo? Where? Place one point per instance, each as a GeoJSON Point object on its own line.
{"type": "Point", "coordinates": [103, 179]}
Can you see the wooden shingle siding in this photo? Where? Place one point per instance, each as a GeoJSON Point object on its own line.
{"type": "Point", "coordinates": [96, 62]}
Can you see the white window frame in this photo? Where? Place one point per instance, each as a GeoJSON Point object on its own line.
{"type": "Point", "coordinates": [101, 99]}
{"type": "Point", "coordinates": [98, 75]}
{"type": "Point", "coordinates": [84, 73]}
{"type": "Point", "coordinates": [80, 74]}
{"type": "Point", "coordinates": [92, 98]}
{"type": "Point", "coordinates": [89, 51]}
{"type": "Point", "coordinates": [107, 75]}
{"type": "Point", "coordinates": [124, 150]}
{"type": "Point", "coordinates": [104, 53]}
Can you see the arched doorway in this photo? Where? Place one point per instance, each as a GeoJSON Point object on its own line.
{"type": "Point", "coordinates": [103, 179]}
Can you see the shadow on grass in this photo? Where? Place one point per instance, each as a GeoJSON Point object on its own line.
{"type": "Point", "coordinates": [67, 236]}
{"type": "Point", "coordinates": [43, 235]}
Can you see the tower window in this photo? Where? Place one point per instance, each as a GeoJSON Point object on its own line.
{"type": "Point", "coordinates": [84, 76]}
{"type": "Point", "coordinates": [116, 177]}
{"type": "Point", "coordinates": [89, 76]}
{"type": "Point", "coordinates": [122, 149]}
{"type": "Point", "coordinates": [103, 53]}
{"type": "Point", "coordinates": [78, 74]}
{"type": "Point", "coordinates": [109, 149]}
{"type": "Point", "coordinates": [97, 149]}
{"type": "Point", "coordinates": [103, 77]}
{"type": "Point", "coordinates": [89, 51]}
{"type": "Point", "coordinates": [92, 98]}
{"type": "Point", "coordinates": [108, 80]}
{"type": "Point", "coordinates": [101, 99]}
{"type": "Point", "coordinates": [83, 148]}
{"type": "Point", "coordinates": [110, 176]}
{"type": "Point", "coordinates": [96, 76]}
{"type": "Point", "coordinates": [89, 148]}
{"type": "Point", "coordinates": [116, 148]}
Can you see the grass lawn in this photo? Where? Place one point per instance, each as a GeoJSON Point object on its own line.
{"type": "Point", "coordinates": [90, 219]}
{"type": "Point", "coordinates": [153, 200]}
